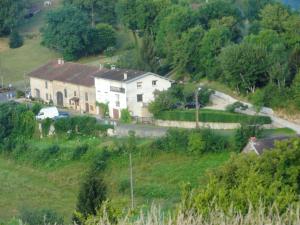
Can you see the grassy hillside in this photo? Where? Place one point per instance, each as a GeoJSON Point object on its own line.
{"type": "Point", "coordinates": [54, 183]}
{"type": "Point", "coordinates": [23, 186]}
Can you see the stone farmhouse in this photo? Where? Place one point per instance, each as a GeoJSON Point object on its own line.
{"type": "Point", "coordinates": [79, 87]}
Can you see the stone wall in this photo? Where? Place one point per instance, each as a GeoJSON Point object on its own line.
{"type": "Point", "coordinates": [191, 125]}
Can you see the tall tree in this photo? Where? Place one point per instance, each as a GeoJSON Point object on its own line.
{"type": "Point", "coordinates": [245, 66]}
{"type": "Point", "coordinates": [11, 13]}
{"type": "Point", "coordinates": [102, 11]}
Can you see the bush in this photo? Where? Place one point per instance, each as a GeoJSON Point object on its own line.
{"type": "Point", "coordinates": [125, 116]}
{"type": "Point", "coordinates": [273, 175]}
{"type": "Point", "coordinates": [206, 115]}
{"type": "Point", "coordinates": [49, 153]}
{"type": "Point", "coordinates": [20, 94]}
{"type": "Point", "coordinates": [92, 194]}
{"type": "Point", "coordinates": [237, 105]}
{"type": "Point", "coordinates": [15, 40]}
{"type": "Point", "coordinates": [36, 108]}
{"type": "Point", "coordinates": [40, 216]}
{"type": "Point", "coordinates": [46, 124]}
{"type": "Point", "coordinates": [80, 151]}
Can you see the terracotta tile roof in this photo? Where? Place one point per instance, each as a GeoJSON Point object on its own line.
{"type": "Point", "coordinates": [118, 74]}
{"type": "Point", "coordinates": [67, 72]}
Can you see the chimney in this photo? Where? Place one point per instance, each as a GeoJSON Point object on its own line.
{"type": "Point", "coordinates": [252, 139]}
{"type": "Point", "coordinates": [60, 61]}
{"type": "Point", "coordinates": [125, 76]}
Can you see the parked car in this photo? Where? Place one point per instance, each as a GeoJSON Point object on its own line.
{"type": "Point", "coordinates": [192, 105]}
{"type": "Point", "coordinates": [62, 115]}
{"type": "Point", "coordinates": [177, 105]}
{"type": "Point", "coordinates": [49, 112]}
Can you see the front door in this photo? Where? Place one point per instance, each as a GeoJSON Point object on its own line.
{"type": "Point", "coordinates": [116, 114]}
{"type": "Point", "coordinates": [87, 107]}
{"type": "Point", "coordinates": [60, 99]}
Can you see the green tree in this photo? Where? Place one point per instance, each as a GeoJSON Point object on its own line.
{"type": "Point", "coordinates": [211, 45]}
{"type": "Point", "coordinates": [274, 17]}
{"type": "Point", "coordinates": [187, 52]}
{"type": "Point", "coordinates": [101, 37]}
{"type": "Point", "coordinates": [245, 66]}
{"type": "Point", "coordinates": [296, 90]}
{"type": "Point", "coordinates": [99, 11]}
{"type": "Point", "coordinates": [67, 31]}
{"type": "Point", "coordinates": [11, 14]}
{"type": "Point", "coordinates": [92, 194]}
{"type": "Point", "coordinates": [125, 116]}
{"type": "Point", "coordinates": [15, 40]}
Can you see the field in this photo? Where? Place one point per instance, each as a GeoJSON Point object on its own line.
{"type": "Point", "coordinates": [23, 186]}
{"type": "Point", "coordinates": [54, 183]}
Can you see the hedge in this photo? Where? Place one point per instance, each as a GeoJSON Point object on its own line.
{"type": "Point", "coordinates": [206, 115]}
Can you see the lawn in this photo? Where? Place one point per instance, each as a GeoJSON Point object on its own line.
{"type": "Point", "coordinates": [22, 186]}
{"type": "Point", "coordinates": [54, 184]}
{"type": "Point", "coordinates": [158, 178]}
{"type": "Point", "coordinates": [210, 115]}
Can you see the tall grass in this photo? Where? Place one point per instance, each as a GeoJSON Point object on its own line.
{"type": "Point", "coordinates": [260, 216]}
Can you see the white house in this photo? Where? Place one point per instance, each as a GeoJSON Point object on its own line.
{"type": "Point", "coordinates": [121, 89]}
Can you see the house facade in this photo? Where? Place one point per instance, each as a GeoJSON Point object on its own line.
{"type": "Point", "coordinates": [121, 89]}
{"type": "Point", "coordinates": [65, 84]}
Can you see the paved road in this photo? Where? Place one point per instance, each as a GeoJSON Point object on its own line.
{"type": "Point", "coordinates": [4, 97]}
{"type": "Point", "coordinates": [140, 130]}
{"type": "Point", "coordinates": [221, 100]}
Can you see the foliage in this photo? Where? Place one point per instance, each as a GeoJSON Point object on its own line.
{"type": "Point", "coordinates": [243, 134]}
{"type": "Point", "coordinates": [245, 66]}
{"type": "Point", "coordinates": [125, 116]}
{"type": "Point", "coordinates": [40, 216]}
{"type": "Point", "coordinates": [92, 194]}
{"type": "Point", "coordinates": [15, 40]}
{"type": "Point", "coordinates": [207, 115]}
{"type": "Point", "coordinates": [11, 14]}
{"type": "Point", "coordinates": [104, 110]}
{"type": "Point", "coordinates": [69, 32]}
{"type": "Point", "coordinates": [99, 11]}
{"type": "Point", "coordinates": [79, 152]}
{"type": "Point", "coordinates": [80, 125]}
{"type": "Point", "coordinates": [46, 124]}
{"type": "Point", "coordinates": [237, 105]}
{"type": "Point", "coordinates": [274, 174]}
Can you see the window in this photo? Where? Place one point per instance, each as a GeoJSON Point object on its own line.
{"type": "Point", "coordinates": [154, 82]}
{"type": "Point", "coordinates": [117, 100]}
{"type": "Point", "coordinates": [47, 96]}
{"type": "Point", "coordinates": [139, 85]}
{"type": "Point", "coordinates": [65, 93]}
{"type": "Point", "coordinates": [139, 98]}
{"type": "Point", "coordinates": [46, 84]}
{"type": "Point", "coordinates": [86, 96]}
{"type": "Point", "coordinates": [75, 93]}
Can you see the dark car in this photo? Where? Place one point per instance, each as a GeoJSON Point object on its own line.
{"type": "Point", "coordinates": [62, 115]}
{"type": "Point", "coordinates": [177, 105]}
{"type": "Point", "coordinates": [192, 105]}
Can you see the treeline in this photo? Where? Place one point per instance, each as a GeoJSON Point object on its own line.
{"type": "Point", "coordinates": [251, 46]}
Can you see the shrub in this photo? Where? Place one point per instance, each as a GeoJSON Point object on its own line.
{"type": "Point", "coordinates": [79, 151]}
{"type": "Point", "coordinates": [124, 186]}
{"type": "Point", "coordinates": [91, 195]}
{"type": "Point", "coordinates": [125, 116]}
{"type": "Point", "coordinates": [15, 40]}
{"type": "Point", "coordinates": [273, 175]}
{"type": "Point", "coordinates": [49, 153]}
{"type": "Point", "coordinates": [36, 108]}
{"type": "Point", "coordinates": [40, 216]}
{"type": "Point", "coordinates": [46, 124]}
{"type": "Point", "coordinates": [237, 105]}
{"type": "Point", "coordinates": [20, 94]}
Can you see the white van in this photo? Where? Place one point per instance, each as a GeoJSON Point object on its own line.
{"type": "Point", "coordinates": [49, 112]}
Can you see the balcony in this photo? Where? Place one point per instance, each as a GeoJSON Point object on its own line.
{"type": "Point", "coordinates": [117, 89]}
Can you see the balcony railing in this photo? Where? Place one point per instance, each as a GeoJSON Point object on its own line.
{"type": "Point", "coordinates": [117, 89]}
